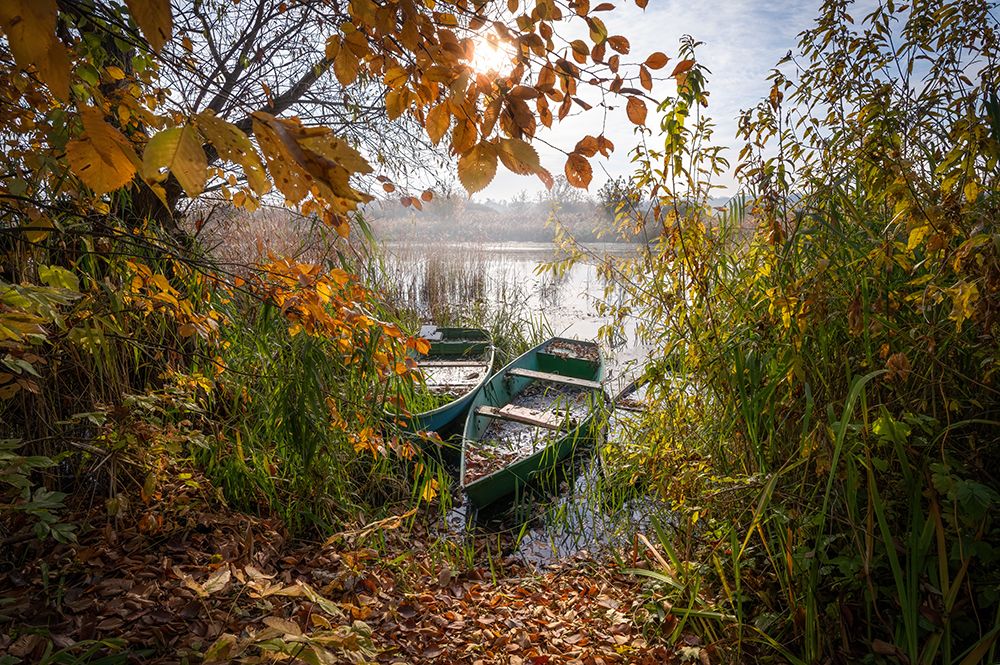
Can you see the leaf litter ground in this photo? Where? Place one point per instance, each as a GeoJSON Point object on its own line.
{"type": "Point", "coordinates": [197, 582]}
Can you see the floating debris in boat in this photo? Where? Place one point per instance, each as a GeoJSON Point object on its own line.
{"type": "Point", "coordinates": [505, 442]}
{"type": "Point", "coordinates": [567, 348]}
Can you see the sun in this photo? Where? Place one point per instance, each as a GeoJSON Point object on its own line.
{"type": "Point", "coordinates": [492, 55]}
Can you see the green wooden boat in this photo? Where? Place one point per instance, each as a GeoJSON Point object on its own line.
{"type": "Point", "coordinates": [457, 366]}
{"type": "Point", "coordinates": [530, 415]}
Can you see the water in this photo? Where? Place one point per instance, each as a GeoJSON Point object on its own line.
{"type": "Point", "coordinates": [582, 513]}
{"type": "Point", "coordinates": [484, 271]}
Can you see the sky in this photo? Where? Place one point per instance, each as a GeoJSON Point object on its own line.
{"type": "Point", "coordinates": [743, 40]}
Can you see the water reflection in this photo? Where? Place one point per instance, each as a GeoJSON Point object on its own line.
{"type": "Point", "coordinates": [432, 279]}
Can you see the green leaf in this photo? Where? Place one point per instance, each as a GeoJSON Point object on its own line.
{"type": "Point", "coordinates": [59, 277]}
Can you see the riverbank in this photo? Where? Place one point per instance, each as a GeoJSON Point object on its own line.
{"type": "Point", "coordinates": [188, 579]}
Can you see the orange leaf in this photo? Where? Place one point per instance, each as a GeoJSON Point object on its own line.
{"type": "Point", "coordinates": [587, 146]}
{"type": "Point", "coordinates": [657, 60]}
{"type": "Point", "coordinates": [619, 43]}
{"type": "Point", "coordinates": [579, 173]}
{"type": "Point", "coordinates": [340, 276]}
{"type": "Point", "coordinates": [645, 78]}
{"type": "Point", "coordinates": [681, 67]}
{"type": "Point", "coordinates": [636, 110]}
{"type": "Point", "coordinates": [463, 137]}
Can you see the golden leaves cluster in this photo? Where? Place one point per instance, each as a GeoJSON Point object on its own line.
{"type": "Point", "coordinates": [425, 59]}
{"type": "Point", "coordinates": [424, 56]}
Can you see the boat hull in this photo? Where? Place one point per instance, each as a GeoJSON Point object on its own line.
{"type": "Point", "coordinates": [448, 419]}
{"type": "Point", "coordinates": [504, 388]}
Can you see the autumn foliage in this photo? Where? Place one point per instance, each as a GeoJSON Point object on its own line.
{"type": "Point", "coordinates": [104, 292]}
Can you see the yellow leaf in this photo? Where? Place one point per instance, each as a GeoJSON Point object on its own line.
{"type": "Point", "coordinates": [234, 146]}
{"type": "Point", "coordinates": [971, 190]}
{"type": "Point", "coordinates": [56, 276]}
{"type": "Point", "coordinates": [103, 158]}
{"type": "Point", "coordinates": [964, 297]}
{"type": "Point", "coordinates": [430, 489]}
{"type": "Point", "coordinates": [115, 73]}
{"type": "Point", "coordinates": [337, 150]}
{"type": "Point", "coordinates": [396, 102]}
{"type": "Point", "coordinates": [161, 282]}
{"type": "Point", "coordinates": [437, 123]}
{"type": "Point", "coordinates": [345, 66]}
{"type": "Point", "coordinates": [37, 230]}
{"type": "Point", "coordinates": [153, 17]}
{"type": "Point", "coordinates": [477, 167]}
{"type": "Point", "coordinates": [290, 179]}
{"type": "Point", "coordinates": [463, 137]}
{"type": "Point", "coordinates": [30, 26]}
{"type": "Point", "coordinates": [917, 236]}
{"type": "Point", "coordinates": [598, 31]}
{"type": "Point", "coordinates": [301, 158]}
{"type": "Point", "coordinates": [395, 77]}
{"type": "Point", "coordinates": [519, 156]}
{"type": "Point", "coordinates": [178, 149]}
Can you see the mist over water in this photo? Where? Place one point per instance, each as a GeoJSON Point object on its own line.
{"type": "Point", "coordinates": [466, 273]}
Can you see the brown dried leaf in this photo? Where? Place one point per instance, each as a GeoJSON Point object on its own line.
{"type": "Point", "coordinates": [578, 170]}
{"type": "Point", "coordinates": [636, 109]}
{"type": "Point", "coordinates": [682, 67]}
{"type": "Point", "coordinates": [619, 43]}
{"type": "Point", "coordinates": [657, 60]}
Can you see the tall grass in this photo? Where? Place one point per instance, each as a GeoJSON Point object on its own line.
{"type": "Point", "coordinates": [834, 485]}
{"type": "Point", "coordinates": [463, 286]}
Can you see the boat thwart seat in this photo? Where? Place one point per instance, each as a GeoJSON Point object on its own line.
{"type": "Point", "coordinates": [431, 364]}
{"type": "Point", "coordinates": [554, 378]}
{"type": "Point", "coordinates": [526, 416]}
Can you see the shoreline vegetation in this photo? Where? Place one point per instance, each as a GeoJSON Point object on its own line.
{"type": "Point", "coordinates": [196, 462]}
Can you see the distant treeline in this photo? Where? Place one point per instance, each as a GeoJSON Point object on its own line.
{"type": "Point", "coordinates": [458, 219]}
